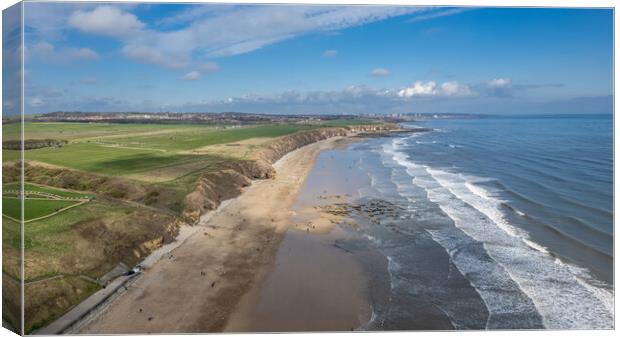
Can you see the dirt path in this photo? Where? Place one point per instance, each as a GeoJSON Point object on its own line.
{"type": "Point", "coordinates": [198, 285]}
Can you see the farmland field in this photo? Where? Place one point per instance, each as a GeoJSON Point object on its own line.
{"type": "Point", "coordinates": [70, 131]}
{"type": "Point", "coordinates": [130, 149]}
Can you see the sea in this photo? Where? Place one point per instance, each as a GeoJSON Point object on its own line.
{"type": "Point", "coordinates": [495, 223]}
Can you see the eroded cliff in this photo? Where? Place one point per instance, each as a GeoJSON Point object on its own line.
{"type": "Point", "coordinates": [214, 187]}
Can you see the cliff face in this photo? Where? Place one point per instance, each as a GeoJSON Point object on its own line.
{"type": "Point", "coordinates": [215, 187]}
{"type": "Point", "coordinates": [285, 144]}
{"type": "Point", "coordinates": [280, 146]}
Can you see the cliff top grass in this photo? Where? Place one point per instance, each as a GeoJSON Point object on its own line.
{"type": "Point", "coordinates": [34, 208]}
{"type": "Point", "coordinates": [40, 201]}
{"type": "Point", "coordinates": [70, 131]}
{"type": "Point", "coordinates": [149, 152]}
{"type": "Point", "coordinates": [139, 151]}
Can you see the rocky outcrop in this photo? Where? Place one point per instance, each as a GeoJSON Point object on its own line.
{"type": "Point", "coordinates": [214, 187]}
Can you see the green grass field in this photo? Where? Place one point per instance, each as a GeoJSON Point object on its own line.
{"type": "Point", "coordinates": [120, 149]}
{"type": "Point", "coordinates": [187, 139]}
{"type": "Point", "coordinates": [128, 149]}
{"type": "Point", "coordinates": [33, 208]}
{"type": "Point", "coordinates": [71, 131]}
{"type": "Point", "coordinates": [10, 155]}
{"type": "Point", "coordinates": [38, 204]}
{"type": "Point", "coordinates": [104, 159]}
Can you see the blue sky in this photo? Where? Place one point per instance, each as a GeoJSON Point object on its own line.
{"type": "Point", "coordinates": [317, 59]}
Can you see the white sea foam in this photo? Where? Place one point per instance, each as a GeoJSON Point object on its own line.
{"type": "Point", "coordinates": [561, 293]}
{"type": "Point", "coordinates": [479, 198]}
{"type": "Point", "coordinates": [477, 190]}
{"type": "Point", "coordinates": [371, 321]}
{"type": "Point", "coordinates": [392, 269]}
{"type": "Point", "coordinates": [490, 280]}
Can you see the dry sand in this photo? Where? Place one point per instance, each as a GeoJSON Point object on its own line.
{"type": "Point", "coordinates": [197, 286]}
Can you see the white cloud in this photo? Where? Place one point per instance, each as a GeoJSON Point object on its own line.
{"type": "Point", "coordinates": [48, 52]}
{"type": "Point", "coordinates": [379, 72]}
{"type": "Point", "coordinates": [330, 53]}
{"type": "Point", "coordinates": [43, 49]}
{"type": "Point", "coordinates": [48, 20]}
{"type": "Point", "coordinates": [36, 102]}
{"type": "Point", "coordinates": [352, 99]}
{"type": "Point", "coordinates": [430, 88]}
{"type": "Point", "coordinates": [454, 88]}
{"type": "Point", "coordinates": [204, 32]}
{"type": "Point", "coordinates": [83, 53]}
{"type": "Point", "coordinates": [504, 82]}
{"type": "Point", "coordinates": [438, 12]}
{"type": "Point", "coordinates": [191, 76]}
{"type": "Point", "coordinates": [419, 89]}
{"type": "Point", "coordinates": [194, 13]}
{"type": "Point", "coordinates": [248, 28]}
{"type": "Point", "coordinates": [106, 20]}
{"type": "Point", "coordinates": [421, 97]}
{"type": "Point", "coordinates": [233, 31]}
{"type": "Point", "coordinates": [148, 54]}
{"type": "Point", "coordinates": [208, 66]}
{"type": "Point", "coordinates": [500, 87]}
{"type": "Point", "coordinates": [358, 94]}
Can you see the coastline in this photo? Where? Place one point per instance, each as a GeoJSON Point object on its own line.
{"type": "Point", "coordinates": [198, 285]}
{"type": "Point", "coordinates": [316, 281]}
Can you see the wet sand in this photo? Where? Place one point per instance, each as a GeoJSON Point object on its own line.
{"type": "Point", "coordinates": [320, 279]}
{"type": "Point", "coordinates": [197, 286]}
{"type": "Point", "coordinates": [314, 286]}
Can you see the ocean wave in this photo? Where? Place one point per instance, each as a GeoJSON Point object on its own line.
{"type": "Point", "coordinates": [563, 294]}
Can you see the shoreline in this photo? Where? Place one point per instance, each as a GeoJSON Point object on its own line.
{"type": "Point", "coordinates": [205, 276]}
{"type": "Point", "coordinates": [316, 282]}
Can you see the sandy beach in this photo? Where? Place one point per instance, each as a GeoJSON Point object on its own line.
{"type": "Point", "coordinates": [316, 283]}
{"type": "Point", "coordinates": [197, 286]}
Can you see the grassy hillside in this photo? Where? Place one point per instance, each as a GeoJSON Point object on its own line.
{"type": "Point", "coordinates": [66, 250]}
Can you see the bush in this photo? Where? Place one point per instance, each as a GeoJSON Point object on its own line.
{"type": "Point", "coordinates": [30, 144]}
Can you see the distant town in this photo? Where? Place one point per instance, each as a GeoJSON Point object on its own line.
{"type": "Point", "coordinates": [222, 117]}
